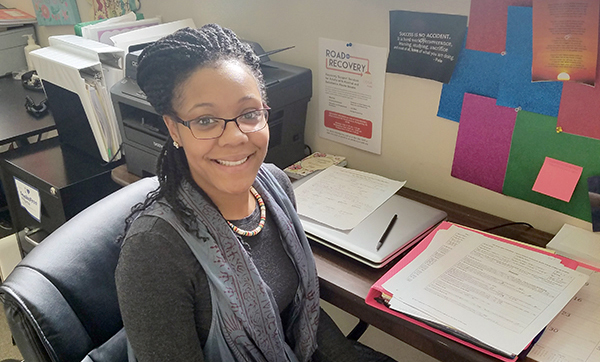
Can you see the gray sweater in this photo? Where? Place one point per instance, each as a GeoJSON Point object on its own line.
{"type": "Point", "coordinates": [165, 299]}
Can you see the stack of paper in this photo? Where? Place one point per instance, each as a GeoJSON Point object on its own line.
{"type": "Point", "coordinates": [490, 292]}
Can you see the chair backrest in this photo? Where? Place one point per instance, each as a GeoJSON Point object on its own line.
{"type": "Point", "coordinates": [61, 300]}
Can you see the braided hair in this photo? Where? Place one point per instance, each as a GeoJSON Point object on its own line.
{"type": "Point", "coordinates": [163, 67]}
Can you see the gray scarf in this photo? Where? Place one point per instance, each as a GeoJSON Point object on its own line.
{"type": "Point", "coordinates": [246, 325]}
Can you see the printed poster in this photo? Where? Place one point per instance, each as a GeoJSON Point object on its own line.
{"type": "Point", "coordinates": [565, 40]}
{"type": "Point", "coordinates": [351, 85]}
{"type": "Point", "coordinates": [425, 45]}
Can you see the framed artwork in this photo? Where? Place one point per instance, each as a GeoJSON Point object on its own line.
{"type": "Point", "coordinates": [56, 12]}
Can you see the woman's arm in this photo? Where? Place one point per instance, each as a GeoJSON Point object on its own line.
{"type": "Point", "coordinates": [333, 346]}
{"type": "Point", "coordinates": [157, 294]}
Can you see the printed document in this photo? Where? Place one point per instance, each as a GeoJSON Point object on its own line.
{"type": "Point", "coordinates": [500, 294]}
{"type": "Point", "coordinates": [351, 87]}
{"type": "Point", "coordinates": [341, 197]}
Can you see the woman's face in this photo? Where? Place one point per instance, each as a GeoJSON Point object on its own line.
{"type": "Point", "coordinates": [228, 164]}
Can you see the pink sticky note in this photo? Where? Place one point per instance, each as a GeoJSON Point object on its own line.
{"type": "Point", "coordinates": [557, 179]}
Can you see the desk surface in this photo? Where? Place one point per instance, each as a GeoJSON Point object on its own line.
{"type": "Point", "coordinates": [345, 282]}
{"type": "Point", "coordinates": [15, 123]}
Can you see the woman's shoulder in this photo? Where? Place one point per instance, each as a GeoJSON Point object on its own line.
{"type": "Point", "coordinates": [150, 238]}
{"type": "Point", "coordinates": [149, 225]}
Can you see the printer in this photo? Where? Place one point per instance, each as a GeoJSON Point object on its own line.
{"type": "Point", "coordinates": [289, 88]}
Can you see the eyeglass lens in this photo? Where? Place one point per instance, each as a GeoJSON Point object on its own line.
{"type": "Point", "coordinates": [248, 122]}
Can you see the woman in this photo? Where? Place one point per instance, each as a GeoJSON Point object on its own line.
{"type": "Point", "coordinates": [215, 265]}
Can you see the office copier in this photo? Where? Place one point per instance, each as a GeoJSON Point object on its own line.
{"type": "Point", "coordinates": [289, 88]}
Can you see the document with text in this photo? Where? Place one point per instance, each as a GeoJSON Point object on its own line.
{"type": "Point", "coordinates": [342, 197]}
{"type": "Point", "coordinates": [499, 294]}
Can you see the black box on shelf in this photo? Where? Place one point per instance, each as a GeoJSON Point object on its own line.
{"type": "Point", "coordinates": [47, 183]}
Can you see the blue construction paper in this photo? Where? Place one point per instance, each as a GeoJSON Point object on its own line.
{"type": "Point", "coordinates": [516, 88]}
{"type": "Point", "coordinates": [475, 72]}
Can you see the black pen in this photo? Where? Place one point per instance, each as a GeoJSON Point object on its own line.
{"type": "Point", "coordinates": [387, 231]}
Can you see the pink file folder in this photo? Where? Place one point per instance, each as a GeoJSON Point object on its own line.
{"type": "Point", "coordinates": [377, 289]}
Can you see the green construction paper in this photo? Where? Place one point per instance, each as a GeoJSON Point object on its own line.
{"type": "Point", "coordinates": [534, 139]}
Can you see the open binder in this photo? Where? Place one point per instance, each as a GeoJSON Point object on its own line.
{"type": "Point", "coordinates": [379, 297]}
{"type": "Point", "coordinates": [77, 75]}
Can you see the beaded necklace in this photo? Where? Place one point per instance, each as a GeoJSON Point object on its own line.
{"type": "Point", "coordinates": [263, 217]}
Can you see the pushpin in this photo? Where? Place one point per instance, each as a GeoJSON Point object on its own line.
{"type": "Point", "coordinates": [558, 129]}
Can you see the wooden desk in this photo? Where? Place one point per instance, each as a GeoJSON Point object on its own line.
{"type": "Point", "coordinates": [15, 123]}
{"type": "Point", "coordinates": [345, 282]}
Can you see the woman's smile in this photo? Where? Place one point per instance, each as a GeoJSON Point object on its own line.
{"type": "Point", "coordinates": [232, 163]}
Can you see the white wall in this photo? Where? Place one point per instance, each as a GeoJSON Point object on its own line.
{"type": "Point", "coordinates": [417, 146]}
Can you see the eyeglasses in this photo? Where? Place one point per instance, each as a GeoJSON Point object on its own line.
{"type": "Point", "coordinates": [208, 127]}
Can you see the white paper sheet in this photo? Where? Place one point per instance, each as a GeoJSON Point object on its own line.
{"type": "Point", "coordinates": [501, 294]}
{"type": "Point", "coordinates": [341, 197]}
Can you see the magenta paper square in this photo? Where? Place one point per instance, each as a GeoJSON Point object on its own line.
{"type": "Point", "coordinates": [483, 142]}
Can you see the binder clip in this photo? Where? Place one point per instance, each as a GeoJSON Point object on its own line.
{"type": "Point", "coordinates": [36, 110]}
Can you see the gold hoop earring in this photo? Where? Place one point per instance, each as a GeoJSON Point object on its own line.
{"type": "Point", "coordinates": [175, 144]}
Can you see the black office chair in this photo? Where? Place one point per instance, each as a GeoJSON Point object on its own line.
{"type": "Point", "coordinates": [61, 300]}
